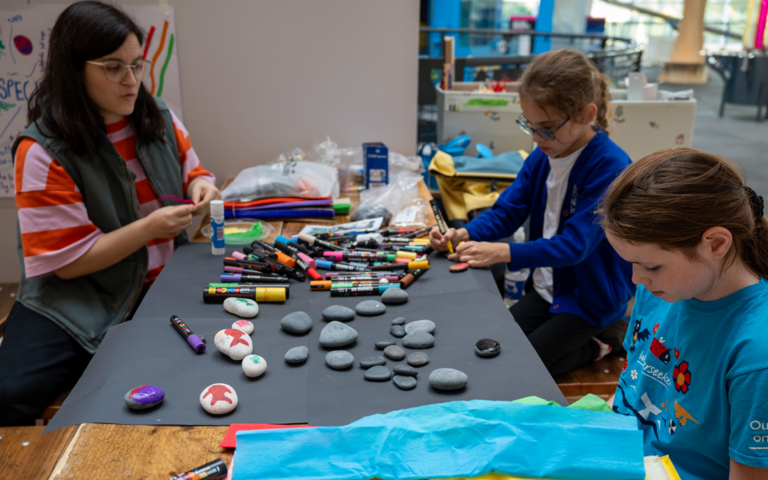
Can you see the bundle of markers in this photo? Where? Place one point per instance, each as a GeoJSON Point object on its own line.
{"type": "Point", "coordinates": [358, 263]}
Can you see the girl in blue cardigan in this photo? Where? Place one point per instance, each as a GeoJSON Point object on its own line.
{"type": "Point", "coordinates": [579, 285]}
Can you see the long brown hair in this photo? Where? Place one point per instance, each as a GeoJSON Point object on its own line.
{"type": "Point", "coordinates": [568, 81]}
{"type": "Point", "coordinates": [671, 197]}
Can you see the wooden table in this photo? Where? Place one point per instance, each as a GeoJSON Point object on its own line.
{"type": "Point", "coordinates": [128, 451]}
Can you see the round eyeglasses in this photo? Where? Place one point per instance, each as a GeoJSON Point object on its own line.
{"type": "Point", "coordinates": [115, 70]}
{"type": "Point", "coordinates": [544, 133]}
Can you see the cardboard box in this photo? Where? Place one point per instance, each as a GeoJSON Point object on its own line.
{"type": "Point", "coordinates": [375, 164]}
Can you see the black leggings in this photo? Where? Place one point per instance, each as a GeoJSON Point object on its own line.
{"type": "Point", "coordinates": [562, 340]}
{"type": "Point", "coordinates": [38, 361]}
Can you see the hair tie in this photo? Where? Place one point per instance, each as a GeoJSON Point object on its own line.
{"type": "Point", "coordinates": [756, 202]}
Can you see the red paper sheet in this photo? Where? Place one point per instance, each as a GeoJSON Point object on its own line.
{"type": "Point", "coordinates": [230, 439]}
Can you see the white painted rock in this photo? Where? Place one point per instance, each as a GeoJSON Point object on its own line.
{"type": "Point", "coordinates": [218, 398]}
{"type": "Point", "coordinates": [242, 307]}
{"type": "Point", "coordinates": [234, 343]}
{"type": "Point", "coordinates": [254, 366]}
{"type": "Point", "coordinates": [243, 325]}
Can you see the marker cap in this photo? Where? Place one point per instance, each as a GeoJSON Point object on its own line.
{"type": "Point", "coordinates": [325, 264]}
{"type": "Point", "coordinates": [420, 265]}
{"type": "Point", "coordinates": [309, 260]}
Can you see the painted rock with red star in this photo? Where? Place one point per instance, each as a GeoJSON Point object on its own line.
{"type": "Point", "coordinates": [243, 325]}
{"type": "Point", "coordinates": [146, 396]}
{"type": "Point", "coordinates": [218, 398]}
{"type": "Point", "coordinates": [234, 343]}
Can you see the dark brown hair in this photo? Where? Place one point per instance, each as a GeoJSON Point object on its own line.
{"type": "Point", "coordinates": [671, 197]}
{"type": "Point", "coordinates": [568, 81]}
{"type": "Point", "coordinates": [87, 31]}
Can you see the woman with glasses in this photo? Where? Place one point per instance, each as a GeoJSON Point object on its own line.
{"type": "Point", "coordinates": [579, 285]}
{"type": "Point", "coordinates": [92, 171]}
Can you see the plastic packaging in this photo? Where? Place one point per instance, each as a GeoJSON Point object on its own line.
{"type": "Point", "coordinates": [217, 227]}
{"type": "Point", "coordinates": [382, 202]}
{"type": "Point", "coordinates": [514, 282]}
{"type": "Point", "coordinates": [411, 215]}
{"type": "Point", "coordinates": [287, 179]}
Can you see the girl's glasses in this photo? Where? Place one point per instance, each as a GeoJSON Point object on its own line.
{"type": "Point", "coordinates": [544, 133]}
{"type": "Point", "coordinates": [115, 71]}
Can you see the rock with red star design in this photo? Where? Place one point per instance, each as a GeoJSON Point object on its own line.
{"type": "Point", "coordinates": [234, 343]}
{"type": "Point", "coordinates": [218, 398]}
{"type": "Point", "coordinates": [243, 325]}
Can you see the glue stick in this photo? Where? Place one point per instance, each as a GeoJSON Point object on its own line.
{"type": "Point", "coordinates": [217, 225]}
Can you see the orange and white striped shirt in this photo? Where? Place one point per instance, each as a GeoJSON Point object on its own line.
{"type": "Point", "coordinates": [54, 223]}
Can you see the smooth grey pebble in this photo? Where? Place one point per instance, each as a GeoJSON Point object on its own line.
{"type": "Point", "coordinates": [339, 359]}
{"type": "Point", "coordinates": [297, 322]}
{"type": "Point", "coordinates": [394, 352]}
{"type": "Point", "coordinates": [420, 326]}
{"type": "Point", "coordinates": [382, 344]}
{"type": "Point", "coordinates": [405, 383]}
{"type": "Point", "coordinates": [338, 313]}
{"type": "Point", "coordinates": [297, 355]}
{"type": "Point", "coordinates": [337, 334]}
{"type": "Point", "coordinates": [370, 308]}
{"type": "Point", "coordinates": [405, 370]}
{"type": "Point", "coordinates": [399, 321]}
{"type": "Point", "coordinates": [394, 296]}
{"type": "Point", "coordinates": [378, 374]}
{"type": "Point", "coordinates": [369, 362]}
{"type": "Point", "coordinates": [418, 359]}
{"type": "Point", "coordinates": [448, 379]}
{"type": "Point", "coordinates": [397, 331]}
{"type": "Point", "coordinates": [418, 340]}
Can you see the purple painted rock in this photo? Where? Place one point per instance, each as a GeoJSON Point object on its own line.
{"type": "Point", "coordinates": [146, 396]}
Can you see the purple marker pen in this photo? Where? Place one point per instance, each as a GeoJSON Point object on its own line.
{"type": "Point", "coordinates": [193, 340]}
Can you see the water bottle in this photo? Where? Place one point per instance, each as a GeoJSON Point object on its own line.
{"type": "Point", "coordinates": [514, 282]}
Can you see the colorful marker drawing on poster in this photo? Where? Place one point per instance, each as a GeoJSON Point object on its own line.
{"type": "Point", "coordinates": [25, 33]}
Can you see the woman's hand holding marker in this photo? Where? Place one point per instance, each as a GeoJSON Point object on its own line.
{"type": "Point", "coordinates": [440, 242]}
{"type": "Point", "coordinates": [480, 254]}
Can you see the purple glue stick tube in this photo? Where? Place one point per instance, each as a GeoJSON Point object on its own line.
{"type": "Point", "coordinates": [193, 340]}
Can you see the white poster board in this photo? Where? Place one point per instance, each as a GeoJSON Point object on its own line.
{"type": "Point", "coordinates": [24, 36]}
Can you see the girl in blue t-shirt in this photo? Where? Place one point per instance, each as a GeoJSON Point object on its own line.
{"type": "Point", "coordinates": [696, 375]}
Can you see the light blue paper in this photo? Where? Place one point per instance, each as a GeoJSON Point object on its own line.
{"type": "Point", "coordinates": [454, 439]}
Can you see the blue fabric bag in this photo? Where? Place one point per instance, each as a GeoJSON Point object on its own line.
{"type": "Point", "coordinates": [454, 439]}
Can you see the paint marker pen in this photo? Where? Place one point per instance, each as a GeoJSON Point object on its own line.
{"type": "Point", "coordinates": [192, 339]}
{"type": "Point", "coordinates": [214, 470]}
{"type": "Point", "coordinates": [410, 277]}
{"type": "Point", "coordinates": [267, 295]}
{"type": "Point", "coordinates": [323, 285]}
{"type": "Point", "coordinates": [291, 243]}
{"type": "Point", "coordinates": [363, 278]}
{"type": "Point", "coordinates": [236, 277]}
{"type": "Point", "coordinates": [402, 266]}
{"type": "Point", "coordinates": [320, 243]}
{"type": "Point", "coordinates": [368, 273]}
{"type": "Point", "coordinates": [440, 222]}
{"type": "Point", "coordinates": [299, 262]}
{"type": "Point", "coordinates": [251, 286]}
{"type": "Point", "coordinates": [362, 290]}
{"type": "Point", "coordinates": [326, 265]}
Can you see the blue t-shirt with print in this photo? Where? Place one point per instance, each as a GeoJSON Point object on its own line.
{"type": "Point", "coordinates": [696, 379]}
